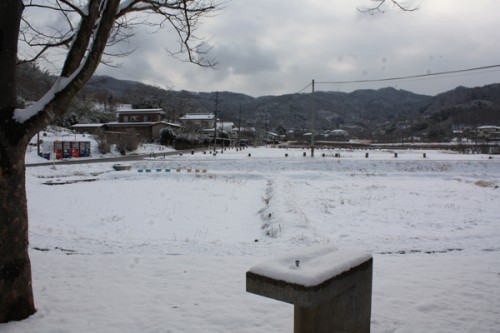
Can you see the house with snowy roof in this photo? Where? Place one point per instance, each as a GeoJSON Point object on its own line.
{"type": "Point", "coordinates": [148, 123]}
{"type": "Point", "coordinates": [140, 115]}
{"type": "Point", "coordinates": [489, 133]}
{"type": "Point", "coordinates": [198, 120]}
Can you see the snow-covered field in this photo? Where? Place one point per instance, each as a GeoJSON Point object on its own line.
{"type": "Point", "coordinates": [130, 251]}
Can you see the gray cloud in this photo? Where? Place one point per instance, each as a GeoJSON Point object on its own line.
{"type": "Point", "coordinates": [278, 46]}
{"type": "Point", "coordinates": [244, 58]}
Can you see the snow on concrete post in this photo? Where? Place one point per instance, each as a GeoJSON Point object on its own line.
{"type": "Point", "coordinates": [331, 289]}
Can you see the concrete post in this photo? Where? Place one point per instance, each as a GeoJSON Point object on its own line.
{"type": "Point", "coordinates": [330, 289]}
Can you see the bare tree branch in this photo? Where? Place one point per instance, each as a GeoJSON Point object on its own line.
{"type": "Point", "coordinates": [378, 8]}
{"type": "Point", "coordinates": [182, 15]}
{"type": "Point", "coordinates": [72, 6]}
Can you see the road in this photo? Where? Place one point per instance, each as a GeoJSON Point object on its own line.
{"type": "Point", "coordinates": [117, 159]}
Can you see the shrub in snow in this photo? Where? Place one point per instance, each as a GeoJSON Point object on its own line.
{"type": "Point", "coordinates": [128, 141]}
{"type": "Point", "coordinates": [103, 144]}
{"type": "Point", "coordinates": [183, 139]}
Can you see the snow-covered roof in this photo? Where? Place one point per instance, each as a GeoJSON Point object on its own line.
{"type": "Point", "coordinates": [339, 131]}
{"type": "Point", "coordinates": [87, 125]}
{"type": "Point", "coordinates": [273, 134]}
{"type": "Point", "coordinates": [126, 124]}
{"type": "Point", "coordinates": [489, 127]}
{"type": "Point", "coordinates": [140, 111]}
{"type": "Point", "coordinates": [140, 123]}
{"type": "Point", "coordinates": [198, 116]}
{"type": "Point", "coordinates": [131, 124]}
{"type": "Point", "coordinates": [170, 124]}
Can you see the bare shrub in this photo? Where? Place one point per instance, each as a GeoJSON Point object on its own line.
{"type": "Point", "coordinates": [128, 141]}
{"type": "Point", "coordinates": [103, 142]}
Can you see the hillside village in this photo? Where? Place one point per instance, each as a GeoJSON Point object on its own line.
{"type": "Point", "coordinates": [127, 113]}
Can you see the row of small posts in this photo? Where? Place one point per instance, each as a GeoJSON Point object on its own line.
{"type": "Point", "coordinates": [215, 152]}
{"type": "Point", "coordinates": [169, 170]}
{"type": "Point", "coordinates": [304, 154]}
{"type": "Point", "coordinates": [337, 155]}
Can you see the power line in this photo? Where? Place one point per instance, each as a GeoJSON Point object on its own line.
{"type": "Point", "coordinates": [408, 77]}
{"type": "Point", "coordinates": [301, 90]}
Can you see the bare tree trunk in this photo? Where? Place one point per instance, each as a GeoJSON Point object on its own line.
{"type": "Point", "coordinates": [16, 295]}
{"type": "Point", "coordinates": [10, 18]}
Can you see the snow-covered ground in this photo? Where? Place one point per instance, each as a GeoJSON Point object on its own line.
{"type": "Point", "coordinates": [130, 251]}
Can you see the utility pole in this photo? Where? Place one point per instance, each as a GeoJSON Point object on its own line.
{"type": "Point", "coordinates": [313, 120]}
{"type": "Point", "coordinates": [266, 122]}
{"type": "Point", "coordinates": [239, 127]}
{"type": "Point", "coordinates": [38, 143]}
{"type": "Point", "coordinates": [222, 136]}
{"type": "Point", "coordinates": [216, 113]}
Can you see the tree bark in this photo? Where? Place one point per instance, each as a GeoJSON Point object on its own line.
{"type": "Point", "coordinates": [10, 18]}
{"type": "Point", "coordinates": [16, 295]}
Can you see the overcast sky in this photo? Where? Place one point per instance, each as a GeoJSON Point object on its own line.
{"type": "Point", "coordinates": [274, 47]}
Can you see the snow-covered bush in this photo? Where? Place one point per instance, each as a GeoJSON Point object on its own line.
{"type": "Point", "coordinates": [182, 139]}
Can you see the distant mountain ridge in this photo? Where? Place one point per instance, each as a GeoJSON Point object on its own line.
{"type": "Point", "coordinates": [386, 114]}
{"type": "Point", "coordinates": [337, 107]}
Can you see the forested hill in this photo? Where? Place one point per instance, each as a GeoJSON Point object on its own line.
{"type": "Point", "coordinates": [385, 113]}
